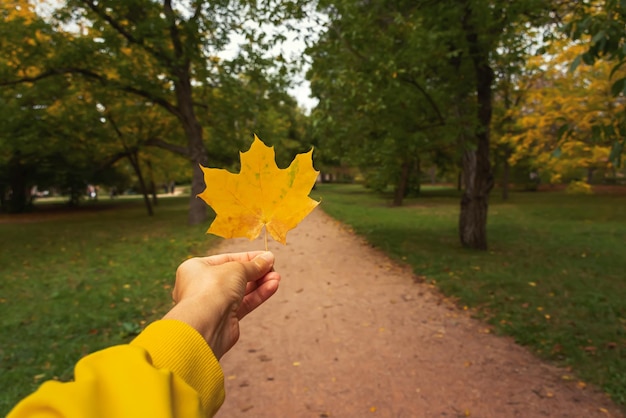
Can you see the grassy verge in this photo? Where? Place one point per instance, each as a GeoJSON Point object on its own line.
{"type": "Point", "coordinates": [72, 283]}
{"type": "Point", "coordinates": [554, 276]}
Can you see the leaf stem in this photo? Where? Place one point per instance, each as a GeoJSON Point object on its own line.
{"type": "Point", "coordinates": [265, 238]}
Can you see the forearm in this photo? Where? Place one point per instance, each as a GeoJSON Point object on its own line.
{"type": "Point", "coordinates": [185, 353]}
{"type": "Point", "coordinates": [167, 371]}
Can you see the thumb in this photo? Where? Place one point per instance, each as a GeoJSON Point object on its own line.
{"type": "Point", "coordinates": [259, 266]}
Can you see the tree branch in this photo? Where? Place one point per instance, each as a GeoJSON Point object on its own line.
{"type": "Point", "coordinates": [130, 38]}
{"type": "Point", "coordinates": [117, 130]}
{"type": "Point", "coordinates": [113, 159]}
{"type": "Point", "coordinates": [100, 78]}
{"type": "Point", "coordinates": [198, 12]}
{"type": "Point", "coordinates": [174, 33]}
{"type": "Point", "coordinates": [428, 97]}
{"type": "Point", "coordinates": [346, 44]}
{"type": "Point", "coordinates": [407, 80]}
{"type": "Point", "coordinates": [159, 143]}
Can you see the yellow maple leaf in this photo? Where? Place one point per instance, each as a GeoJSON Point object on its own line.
{"type": "Point", "coordinates": [260, 195]}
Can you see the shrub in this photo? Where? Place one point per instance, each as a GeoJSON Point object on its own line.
{"type": "Point", "coordinates": [578, 187]}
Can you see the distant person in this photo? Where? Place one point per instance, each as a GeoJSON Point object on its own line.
{"type": "Point", "coordinates": [171, 369]}
{"type": "Point", "coordinates": [92, 192]}
{"type": "Point", "coordinates": [172, 187]}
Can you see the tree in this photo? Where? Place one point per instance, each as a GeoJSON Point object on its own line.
{"type": "Point", "coordinates": [485, 27]}
{"type": "Point", "coordinates": [514, 75]}
{"type": "Point", "coordinates": [557, 122]}
{"type": "Point", "coordinates": [160, 52]}
{"type": "Point", "coordinates": [444, 53]}
{"type": "Point", "coordinates": [376, 108]}
{"type": "Point", "coordinates": [600, 25]}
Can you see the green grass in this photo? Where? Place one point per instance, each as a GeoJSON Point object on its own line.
{"type": "Point", "coordinates": [73, 283]}
{"type": "Point", "coordinates": [554, 277]}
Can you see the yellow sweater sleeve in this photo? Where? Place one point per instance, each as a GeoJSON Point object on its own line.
{"type": "Point", "coordinates": [168, 371]}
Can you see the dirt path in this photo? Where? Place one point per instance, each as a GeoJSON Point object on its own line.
{"type": "Point", "coordinates": [350, 334]}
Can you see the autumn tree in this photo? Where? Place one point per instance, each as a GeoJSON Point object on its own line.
{"type": "Point", "coordinates": [163, 53]}
{"type": "Point", "coordinates": [599, 24]}
{"type": "Point", "coordinates": [514, 74]}
{"type": "Point", "coordinates": [33, 151]}
{"type": "Point", "coordinates": [557, 122]}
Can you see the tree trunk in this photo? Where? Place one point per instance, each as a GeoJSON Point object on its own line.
{"type": "Point", "coordinates": [153, 191]}
{"type": "Point", "coordinates": [17, 180]}
{"type": "Point", "coordinates": [3, 191]}
{"type": "Point", "coordinates": [432, 172]}
{"type": "Point", "coordinates": [506, 173]}
{"type": "Point", "coordinates": [197, 207]}
{"type": "Point", "coordinates": [414, 186]}
{"type": "Point", "coordinates": [476, 165]}
{"type": "Point", "coordinates": [134, 161]}
{"type": "Point", "coordinates": [590, 171]}
{"type": "Point", "coordinates": [474, 204]}
{"type": "Point", "coordinates": [403, 182]}
{"type": "Point", "coordinates": [197, 151]}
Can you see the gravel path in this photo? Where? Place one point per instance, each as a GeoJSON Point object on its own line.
{"type": "Point", "coordinates": [351, 334]}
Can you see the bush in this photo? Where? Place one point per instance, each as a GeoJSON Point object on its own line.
{"type": "Point", "coordinates": [578, 187]}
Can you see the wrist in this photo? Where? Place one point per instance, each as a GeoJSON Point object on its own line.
{"type": "Point", "coordinates": [195, 314]}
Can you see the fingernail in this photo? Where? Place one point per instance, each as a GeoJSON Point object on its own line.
{"type": "Point", "coordinates": [267, 256]}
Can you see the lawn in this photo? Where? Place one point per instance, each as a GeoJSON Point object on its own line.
{"type": "Point", "coordinates": [73, 283]}
{"type": "Point", "coordinates": [554, 277]}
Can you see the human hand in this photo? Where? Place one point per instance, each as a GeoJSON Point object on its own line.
{"type": "Point", "coordinates": [213, 293]}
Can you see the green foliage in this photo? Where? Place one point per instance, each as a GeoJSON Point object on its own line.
{"type": "Point", "coordinates": [153, 74]}
{"type": "Point", "coordinates": [76, 282]}
{"type": "Point", "coordinates": [406, 82]}
{"type": "Point", "coordinates": [371, 76]}
{"type": "Point", "coordinates": [601, 23]}
{"type": "Point", "coordinates": [553, 278]}
{"type": "Point", "coordinates": [601, 26]}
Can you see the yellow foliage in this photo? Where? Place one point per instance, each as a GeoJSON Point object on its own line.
{"type": "Point", "coordinates": [553, 98]}
{"type": "Point", "coordinates": [261, 195]}
{"type": "Point", "coordinates": [555, 178]}
{"type": "Point", "coordinates": [19, 9]}
{"type": "Point", "coordinates": [578, 187]}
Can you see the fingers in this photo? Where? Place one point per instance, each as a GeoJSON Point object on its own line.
{"type": "Point", "coordinates": [258, 292]}
{"type": "Point", "coordinates": [253, 270]}
{"type": "Point", "coordinates": [259, 266]}
{"type": "Point", "coordinates": [215, 260]}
